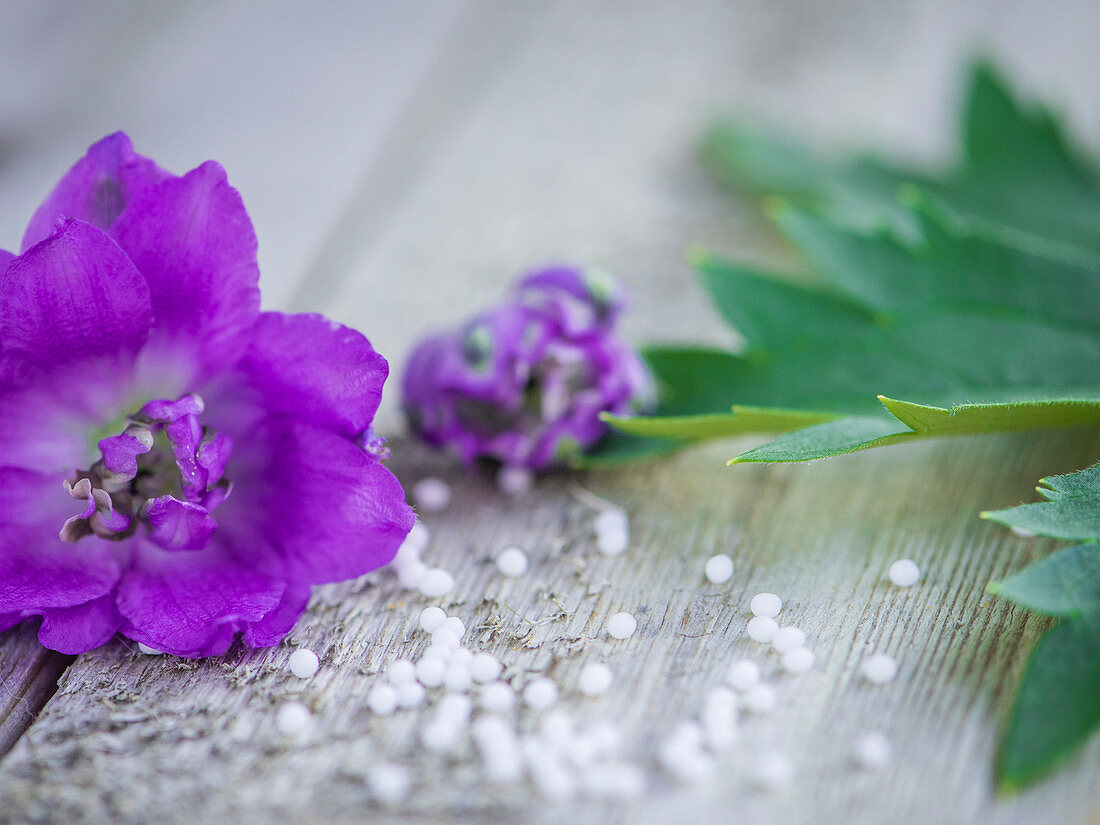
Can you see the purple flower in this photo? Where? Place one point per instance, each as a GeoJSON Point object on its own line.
{"type": "Point", "coordinates": [525, 383]}
{"type": "Point", "coordinates": [175, 465]}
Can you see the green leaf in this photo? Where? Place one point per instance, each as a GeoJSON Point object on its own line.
{"type": "Point", "coordinates": [1056, 706]}
{"type": "Point", "coordinates": [1064, 584]}
{"type": "Point", "coordinates": [1072, 509]}
{"type": "Point", "coordinates": [617, 449]}
{"type": "Point", "coordinates": [738, 421]}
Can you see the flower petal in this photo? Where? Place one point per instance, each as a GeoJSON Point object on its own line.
{"type": "Point", "coordinates": [73, 298]}
{"type": "Point", "coordinates": [313, 369]}
{"type": "Point", "coordinates": [192, 604]}
{"type": "Point", "coordinates": [272, 628]}
{"type": "Point", "coordinates": [83, 627]}
{"type": "Point", "coordinates": [192, 240]}
{"type": "Point", "coordinates": [39, 570]}
{"type": "Point", "coordinates": [331, 511]}
{"type": "Point", "coordinates": [97, 188]}
{"type": "Point", "coordinates": [179, 525]}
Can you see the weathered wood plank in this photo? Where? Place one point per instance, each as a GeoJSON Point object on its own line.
{"type": "Point", "coordinates": [28, 678]}
{"type": "Point", "coordinates": [127, 733]}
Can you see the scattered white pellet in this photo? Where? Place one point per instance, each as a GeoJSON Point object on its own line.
{"type": "Point", "coordinates": [514, 481]}
{"type": "Point", "coordinates": [540, 693]}
{"type": "Point", "coordinates": [410, 695]}
{"type": "Point", "coordinates": [498, 697]}
{"type": "Point", "coordinates": [558, 729]}
{"type": "Point", "coordinates": [431, 494]}
{"type": "Point", "coordinates": [485, 667]}
{"type": "Point", "coordinates": [382, 699]}
{"type": "Point", "coordinates": [760, 700]}
{"type": "Point", "coordinates": [512, 562]}
{"type": "Point", "coordinates": [880, 668]}
{"type": "Point", "coordinates": [743, 675]}
{"type": "Point", "coordinates": [454, 709]}
{"type": "Point", "coordinates": [410, 574]}
{"type": "Point", "coordinates": [293, 719]}
{"type": "Point", "coordinates": [432, 618]}
{"type": "Point", "coordinates": [621, 626]}
{"type": "Point", "coordinates": [718, 569]}
{"type": "Point", "coordinates": [772, 771]}
{"type": "Point", "coordinates": [456, 624]}
{"type": "Point", "coordinates": [612, 543]}
{"type": "Point", "coordinates": [418, 537]}
{"type": "Point", "coordinates": [436, 582]}
{"type": "Point", "coordinates": [595, 679]}
{"type": "Point", "coordinates": [762, 629]}
{"type": "Point", "coordinates": [400, 672]}
{"type": "Point", "coordinates": [410, 549]}
{"type": "Point", "coordinates": [462, 656]}
{"type": "Point", "coordinates": [149, 651]}
{"type": "Point", "coordinates": [872, 751]}
{"type": "Point", "coordinates": [766, 604]}
{"type": "Point", "coordinates": [904, 573]}
{"type": "Point", "coordinates": [389, 783]}
{"type": "Point", "coordinates": [439, 651]}
{"type": "Point", "coordinates": [458, 677]}
{"type": "Point", "coordinates": [719, 718]}
{"type": "Point", "coordinates": [612, 531]}
{"type": "Point", "coordinates": [799, 660]}
{"type": "Point", "coordinates": [788, 638]}
{"type": "Point", "coordinates": [446, 636]}
{"type": "Point", "coordinates": [303, 663]}
{"type": "Point", "coordinates": [431, 671]}
{"type": "Point", "coordinates": [440, 737]}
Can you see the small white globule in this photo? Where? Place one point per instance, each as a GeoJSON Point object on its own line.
{"type": "Point", "coordinates": [400, 672]}
{"type": "Point", "coordinates": [872, 751]}
{"type": "Point", "coordinates": [904, 573]}
{"type": "Point", "coordinates": [788, 638]}
{"type": "Point", "coordinates": [303, 663]}
{"type": "Point", "coordinates": [456, 624]}
{"type": "Point", "coordinates": [431, 671]}
{"type": "Point", "coordinates": [759, 700]}
{"type": "Point", "coordinates": [612, 531]}
{"type": "Point", "coordinates": [762, 629]}
{"type": "Point", "coordinates": [293, 719]}
{"type": "Point", "coordinates": [772, 771]}
{"type": "Point", "coordinates": [431, 494]}
{"type": "Point", "coordinates": [718, 569]}
{"type": "Point", "coordinates": [880, 668]}
{"type": "Point", "coordinates": [621, 626]}
{"type": "Point", "coordinates": [743, 675]}
{"type": "Point", "coordinates": [149, 651]}
{"type": "Point", "coordinates": [595, 679]}
{"type": "Point", "coordinates": [514, 481]}
{"type": "Point", "coordinates": [512, 562]}
{"type": "Point", "coordinates": [458, 677]}
{"type": "Point", "coordinates": [540, 693]}
{"type": "Point", "coordinates": [432, 618]}
{"type": "Point", "coordinates": [410, 574]}
{"type": "Point", "coordinates": [436, 582]}
{"type": "Point", "coordinates": [410, 695]}
{"type": "Point", "coordinates": [382, 699]}
{"type": "Point", "coordinates": [389, 783]}
{"type": "Point", "coordinates": [417, 539]}
{"type": "Point", "coordinates": [485, 667]}
{"type": "Point", "coordinates": [497, 697]}
{"type": "Point", "coordinates": [446, 636]}
{"type": "Point", "coordinates": [766, 604]}
{"type": "Point", "coordinates": [799, 660]}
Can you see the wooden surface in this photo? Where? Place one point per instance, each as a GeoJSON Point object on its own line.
{"type": "Point", "coordinates": [402, 162]}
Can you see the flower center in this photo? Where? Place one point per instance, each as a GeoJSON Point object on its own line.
{"type": "Point", "coordinates": [163, 473]}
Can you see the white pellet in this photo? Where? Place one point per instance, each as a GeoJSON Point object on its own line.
{"type": "Point", "coordinates": [485, 667]}
{"type": "Point", "coordinates": [772, 771]}
{"type": "Point", "coordinates": [612, 520]}
{"type": "Point", "coordinates": [410, 575]}
{"type": "Point", "coordinates": [432, 618]}
{"type": "Point", "coordinates": [418, 537]}
{"type": "Point", "coordinates": [436, 582]}
{"type": "Point", "coordinates": [446, 636]}
{"type": "Point", "coordinates": [557, 729]}
{"type": "Point", "coordinates": [462, 656]}
{"type": "Point", "coordinates": [718, 569]}
{"type": "Point", "coordinates": [431, 494]}
{"type": "Point", "coordinates": [880, 668]}
{"type": "Point", "coordinates": [458, 677]}
{"type": "Point", "coordinates": [743, 675]}
{"type": "Point", "coordinates": [149, 651]}
{"type": "Point", "coordinates": [514, 481]}
{"type": "Point", "coordinates": [400, 672]}
{"type": "Point", "coordinates": [612, 542]}
{"type": "Point", "coordinates": [799, 660]}
{"type": "Point", "coordinates": [303, 663]}
{"type": "Point", "coordinates": [389, 783]}
{"type": "Point", "coordinates": [766, 604]}
{"type": "Point", "coordinates": [788, 638]}
{"type": "Point", "coordinates": [540, 693]}
{"type": "Point", "coordinates": [595, 679]}
{"type": "Point", "coordinates": [454, 709]}
{"type": "Point", "coordinates": [409, 551]}
{"type": "Point", "coordinates": [440, 737]}
{"type": "Point", "coordinates": [904, 573]}
{"type": "Point", "coordinates": [382, 699]}
{"type": "Point", "coordinates": [293, 719]}
{"type": "Point", "coordinates": [760, 700]}
{"type": "Point", "coordinates": [872, 751]}
{"type": "Point", "coordinates": [439, 651]}
{"type": "Point", "coordinates": [430, 672]}
{"type": "Point", "coordinates": [719, 718]}
{"type": "Point", "coordinates": [762, 629]}
{"type": "Point", "coordinates": [498, 697]}
{"type": "Point", "coordinates": [512, 562]}
{"type": "Point", "coordinates": [621, 626]}
{"type": "Point", "coordinates": [410, 695]}
{"type": "Point", "coordinates": [456, 624]}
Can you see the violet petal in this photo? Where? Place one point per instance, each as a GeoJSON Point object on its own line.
{"type": "Point", "coordinates": [179, 525]}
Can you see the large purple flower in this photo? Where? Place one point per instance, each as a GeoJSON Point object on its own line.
{"type": "Point", "coordinates": [525, 383]}
{"type": "Point", "coordinates": [175, 465]}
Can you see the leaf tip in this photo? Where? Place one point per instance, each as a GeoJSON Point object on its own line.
{"type": "Point", "coordinates": [697, 255]}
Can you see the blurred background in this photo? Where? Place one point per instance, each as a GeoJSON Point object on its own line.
{"type": "Point", "coordinates": [403, 161]}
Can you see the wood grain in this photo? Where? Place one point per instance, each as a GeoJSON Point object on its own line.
{"type": "Point", "coordinates": [451, 146]}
